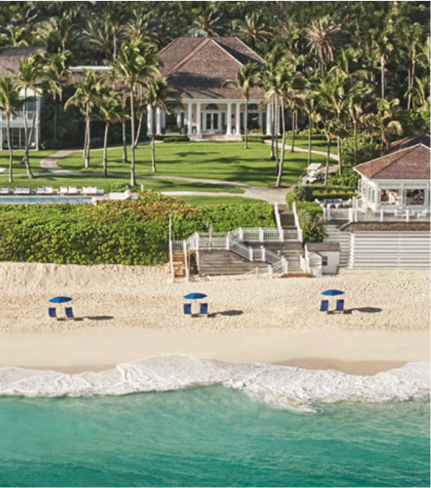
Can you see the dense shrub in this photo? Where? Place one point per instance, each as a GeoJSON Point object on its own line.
{"type": "Point", "coordinates": [366, 150]}
{"type": "Point", "coordinates": [175, 139]}
{"type": "Point", "coordinates": [113, 232]}
{"type": "Point", "coordinates": [348, 178]}
{"type": "Point", "coordinates": [311, 223]}
{"type": "Point", "coordinates": [303, 193]}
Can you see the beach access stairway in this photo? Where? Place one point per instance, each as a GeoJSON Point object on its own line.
{"type": "Point", "coordinates": [271, 251]}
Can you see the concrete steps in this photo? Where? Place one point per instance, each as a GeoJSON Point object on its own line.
{"type": "Point", "coordinates": [287, 219]}
{"type": "Point", "coordinates": [212, 263]}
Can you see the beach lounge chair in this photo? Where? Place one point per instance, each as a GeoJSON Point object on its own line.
{"type": "Point", "coordinates": [52, 312]}
{"type": "Point", "coordinates": [69, 313]}
{"type": "Point", "coordinates": [86, 189]}
{"type": "Point", "coordinates": [203, 309]}
{"type": "Point", "coordinates": [18, 190]}
{"type": "Point", "coordinates": [63, 190]}
{"type": "Point", "coordinates": [73, 190]}
{"type": "Point", "coordinates": [93, 190]}
{"type": "Point", "coordinates": [40, 190]}
{"type": "Point", "coordinates": [324, 304]}
{"type": "Point", "coordinates": [339, 307]}
{"type": "Point", "coordinates": [49, 190]}
{"type": "Point", "coordinates": [4, 190]}
{"type": "Point", "coordinates": [26, 190]}
{"type": "Point", "coordinates": [188, 309]}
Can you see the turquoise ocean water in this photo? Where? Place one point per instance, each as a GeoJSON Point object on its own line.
{"type": "Point", "coordinates": [210, 436]}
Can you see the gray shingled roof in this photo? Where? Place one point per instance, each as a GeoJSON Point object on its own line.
{"type": "Point", "coordinates": [11, 57]}
{"type": "Point", "coordinates": [410, 141]}
{"type": "Point", "coordinates": [322, 246]}
{"type": "Point", "coordinates": [412, 163]}
{"type": "Point", "coordinates": [386, 226]}
{"type": "Point", "coordinates": [198, 67]}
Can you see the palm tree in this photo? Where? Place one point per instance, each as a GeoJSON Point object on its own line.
{"type": "Point", "coordinates": [291, 91]}
{"type": "Point", "coordinates": [110, 111]}
{"type": "Point", "coordinates": [134, 65]}
{"type": "Point", "coordinates": [273, 59]}
{"type": "Point", "coordinates": [58, 30]}
{"type": "Point", "coordinates": [160, 96]}
{"type": "Point", "coordinates": [247, 78]}
{"type": "Point", "coordinates": [253, 29]}
{"type": "Point", "coordinates": [330, 131]}
{"type": "Point", "coordinates": [208, 23]}
{"type": "Point", "coordinates": [99, 36]}
{"type": "Point", "coordinates": [382, 47]}
{"type": "Point", "coordinates": [29, 75]}
{"type": "Point", "coordinates": [421, 97]}
{"type": "Point", "coordinates": [323, 36]}
{"type": "Point", "coordinates": [385, 121]}
{"type": "Point", "coordinates": [86, 97]}
{"type": "Point", "coordinates": [115, 14]}
{"type": "Point", "coordinates": [311, 108]}
{"type": "Point", "coordinates": [55, 74]}
{"type": "Point", "coordinates": [9, 102]}
{"type": "Point", "coordinates": [15, 36]}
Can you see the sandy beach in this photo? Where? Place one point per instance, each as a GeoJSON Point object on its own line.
{"type": "Point", "coordinates": [133, 313]}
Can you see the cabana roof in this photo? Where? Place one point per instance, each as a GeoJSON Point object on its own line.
{"type": "Point", "coordinates": [412, 163]}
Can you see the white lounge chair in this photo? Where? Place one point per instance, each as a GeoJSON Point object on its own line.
{"type": "Point", "coordinates": [93, 190]}
{"type": "Point", "coordinates": [49, 190]}
{"type": "Point", "coordinates": [4, 190]}
{"type": "Point", "coordinates": [85, 189]}
{"type": "Point", "coordinates": [26, 191]}
{"type": "Point", "coordinates": [73, 190]}
{"type": "Point", "coordinates": [63, 190]}
{"type": "Point", "coordinates": [40, 190]}
{"type": "Point", "coordinates": [18, 190]}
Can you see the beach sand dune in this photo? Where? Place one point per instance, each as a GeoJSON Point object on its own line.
{"type": "Point", "coordinates": [135, 312]}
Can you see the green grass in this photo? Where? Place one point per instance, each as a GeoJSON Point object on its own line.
{"type": "Point", "coordinates": [199, 201]}
{"type": "Point", "coordinates": [35, 158]}
{"type": "Point", "coordinates": [107, 183]}
{"type": "Point", "coordinates": [219, 161]}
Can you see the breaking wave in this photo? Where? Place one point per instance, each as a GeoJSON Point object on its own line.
{"type": "Point", "coordinates": [279, 385]}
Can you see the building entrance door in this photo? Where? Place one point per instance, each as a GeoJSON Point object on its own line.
{"type": "Point", "coordinates": [212, 121]}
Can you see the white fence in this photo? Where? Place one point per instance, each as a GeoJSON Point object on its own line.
{"type": "Point", "coordinates": [234, 241]}
{"type": "Point", "coordinates": [358, 215]}
{"type": "Point", "coordinates": [298, 227]}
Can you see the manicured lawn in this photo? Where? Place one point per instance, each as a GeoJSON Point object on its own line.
{"type": "Point", "coordinates": [107, 184]}
{"type": "Point", "coordinates": [211, 160]}
{"type": "Point", "coordinates": [35, 158]}
{"type": "Point", "coordinates": [196, 200]}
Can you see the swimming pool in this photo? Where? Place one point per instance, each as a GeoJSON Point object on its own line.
{"type": "Point", "coordinates": [44, 199]}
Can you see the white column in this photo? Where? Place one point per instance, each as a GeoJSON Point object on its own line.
{"type": "Point", "coordinates": [229, 119]}
{"type": "Point", "coordinates": [189, 119]}
{"type": "Point", "coordinates": [198, 119]}
{"type": "Point", "coordinates": [163, 119]}
{"type": "Point", "coordinates": [149, 121]}
{"type": "Point", "coordinates": [260, 119]}
{"type": "Point", "coordinates": [158, 122]}
{"type": "Point", "coordinates": [179, 120]}
{"type": "Point", "coordinates": [268, 119]}
{"type": "Point", "coordinates": [238, 119]}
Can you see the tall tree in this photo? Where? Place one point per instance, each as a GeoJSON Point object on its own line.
{"type": "Point", "coordinates": [253, 29]}
{"type": "Point", "coordinates": [29, 78]}
{"type": "Point", "coordinates": [386, 121]}
{"type": "Point", "coordinates": [160, 97]}
{"type": "Point", "coordinates": [9, 102]}
{"type": "Point", "coordinates": [247, 78]}
{"type": "Point", "coordinates": [135, 64]}
{"type": "Point", "coordinates": [109, 112]}
{"type": "Point", "coordinates": [86, 97]}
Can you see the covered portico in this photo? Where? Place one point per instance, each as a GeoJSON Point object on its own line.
{"type": "Point", "coordinates": [216, 116]}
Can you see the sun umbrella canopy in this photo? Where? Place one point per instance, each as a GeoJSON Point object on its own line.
{"type": "Point", "coordinates": [60, 299]}
{"type": "Point", "coordinates": [195, 296]}
{"type": "Point", "coordinates": [332, 293]}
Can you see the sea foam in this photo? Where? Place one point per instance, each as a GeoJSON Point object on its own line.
{"type": "Point", "coordinates": [278, 385]}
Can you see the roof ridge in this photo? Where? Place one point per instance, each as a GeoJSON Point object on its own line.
{"type": "Point", "coordinates": [226, 51]}
{"type": "Point", "coordinates": [187, 57]}
{"type": "Point", "coordinates": [396, 159]}
{"type": "Point", "coordinates": [249, 48]}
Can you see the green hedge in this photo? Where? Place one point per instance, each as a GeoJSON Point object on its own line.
{"type": "Point", "coordinates": [113, 232]}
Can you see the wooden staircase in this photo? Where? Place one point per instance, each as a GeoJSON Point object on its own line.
{"type": "Point", "coordinates": [179, 263]}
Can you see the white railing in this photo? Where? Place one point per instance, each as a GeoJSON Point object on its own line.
{"type": "Point", "coordinates": [303, 264]}
{"type": "Point", "coordinates": [281, 267]}
{"type": "Point", "coordinates": [298, 227]}
{"type": "Point", "coordinates": [278, 221]}
{"type": "Point", "coordinates": [359, 215]}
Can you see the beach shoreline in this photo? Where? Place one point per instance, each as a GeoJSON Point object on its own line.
{"type": "Point", "coordinates": [133, 313]}
{"type": "Point", "coordinates": [99, 349]}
